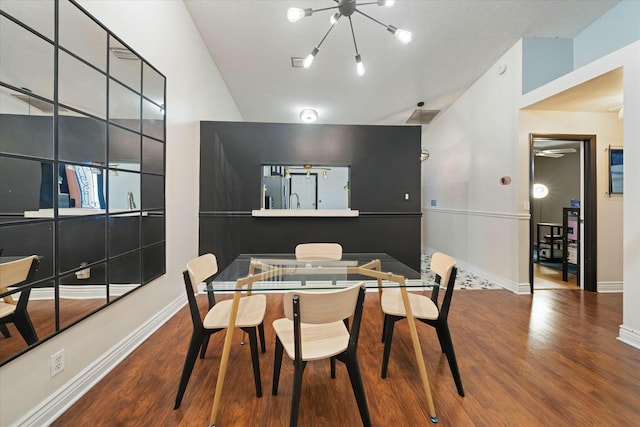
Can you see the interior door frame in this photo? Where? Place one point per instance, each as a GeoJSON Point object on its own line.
{"type": "Point", "coordinates": [588, 207]}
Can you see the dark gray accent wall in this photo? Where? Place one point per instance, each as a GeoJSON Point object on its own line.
{"type": "Point", "coordinates": [384, 163]}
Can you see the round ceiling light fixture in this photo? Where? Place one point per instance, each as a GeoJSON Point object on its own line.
{"type": "Point", "coordinates": [540, 191]}
{"type": "Point", "coordinates": [308, 115]}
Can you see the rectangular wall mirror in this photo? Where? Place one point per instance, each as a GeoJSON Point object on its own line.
{"type": "Point", "coordinates": [308, 186]}
{"type": "Point", "coordinates": [82, 166]}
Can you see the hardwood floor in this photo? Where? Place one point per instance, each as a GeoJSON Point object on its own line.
{"type": "Point", "coordinates": [549, 278]}
{"type": "Point", "coordinates": [548, 359]}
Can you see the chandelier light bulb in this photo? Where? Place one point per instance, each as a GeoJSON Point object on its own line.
{"type": "Point", "coordinates": [404, 36]}
{"type": "Point", "coordinates": [309, 59]}
{"type": "Point", "coordinates": [386, 3]}
{"type": "Point", "coordinates": [294, 14]}
{"type": "Point", "coordinates": [334, 18]}
{"type": "Point", "coordinates": [359, 65]}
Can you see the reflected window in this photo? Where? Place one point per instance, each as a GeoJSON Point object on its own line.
{"type": "Point", "coordinates": [80, 187]}
{"type": "Point", "coordinates": [124, 191]}
{"type": "Point", "coordinates": [305, 187]}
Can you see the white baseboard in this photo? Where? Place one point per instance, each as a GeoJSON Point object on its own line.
{"type": "Point", "coordinates": [52, 407]}
{"type": "Point", "coordinates": [609, 287]}
{"type": "Point", "coordinates": [629, 336]}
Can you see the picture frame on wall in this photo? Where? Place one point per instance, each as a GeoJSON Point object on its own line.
{"type": "Point", "coordinates": [616, 162]}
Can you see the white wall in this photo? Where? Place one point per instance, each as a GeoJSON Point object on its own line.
{"type": "Point", "coordinates": [472, 145]}
{"type": "Point", "coordinates": [164, 34]}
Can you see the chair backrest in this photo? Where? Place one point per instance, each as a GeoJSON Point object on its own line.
{"type": "Point", "coordinates": [445, 270]}
{"type": "Point", "coordinates": [320, 306]}
{"type": "Point", "coordinates": [325, 307]}
{"type": "Point", "coordinates": [201, 269]}
{"type": "Point", "coordinates": [16, 272]}
{"type": "Point", "coordinates": [319, 251]}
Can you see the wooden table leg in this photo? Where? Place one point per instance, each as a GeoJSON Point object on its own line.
{"type": "Point", "coordinates": [224, 359]}
{"type": "Point", "coordinates": [418, 351]}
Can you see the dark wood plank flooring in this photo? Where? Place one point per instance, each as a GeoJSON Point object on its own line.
{"type": "Point", "coordinates": [548, 359]}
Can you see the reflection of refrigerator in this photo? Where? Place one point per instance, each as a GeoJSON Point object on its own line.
{"type": "Point", "coordinates": [277, 189]}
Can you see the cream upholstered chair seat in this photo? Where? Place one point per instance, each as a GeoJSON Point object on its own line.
{"type": "Point", "coordinates": [250, 312]}
{"type": "Point", "coordinates": [6, 308]}
{"type": "Point", "coordinates": [421, 307]}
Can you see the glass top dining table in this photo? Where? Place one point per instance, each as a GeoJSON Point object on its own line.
{"type": "Point", "coordinates": [282, 272]}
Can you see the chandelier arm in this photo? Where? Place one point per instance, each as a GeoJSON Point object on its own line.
{"type": "Point", "coordinates": [373, 19]}
{"type": "Point", "coordinates": [324, 8]}
{"type": "Point", "coordinates": [353, 34]}
{"type": "Point", "coordinates": [366, 4]}
{"type": "Point", "coordinates": [326, 34]}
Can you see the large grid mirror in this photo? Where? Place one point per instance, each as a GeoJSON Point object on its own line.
{"type": "Point", "coordinates": [82, 165]}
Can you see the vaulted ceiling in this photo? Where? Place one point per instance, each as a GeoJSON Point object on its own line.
{"type": "Point", "coordinates": [454, 43]}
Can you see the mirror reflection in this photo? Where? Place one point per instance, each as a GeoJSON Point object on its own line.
{"type": "Point", "coordinates": [26, 60]}
{"type": "Point", "coordinates": [305, 187]}
{"type": "Point", "coordinates": [124, 65]}
{"type": "Point", "coordinates": [91, 206]}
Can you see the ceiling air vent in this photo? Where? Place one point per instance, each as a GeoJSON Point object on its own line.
{"type": "Point", "coordinates": [422, 117]}
{"type": "Point", "coordinates": [296, 62]}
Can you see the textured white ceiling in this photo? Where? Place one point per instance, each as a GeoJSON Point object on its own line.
{"type": "Point", "coordinates": [454, 43]}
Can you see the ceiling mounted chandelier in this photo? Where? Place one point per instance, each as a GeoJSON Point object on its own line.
{"type": "Point", "coordinates": [346, 8]}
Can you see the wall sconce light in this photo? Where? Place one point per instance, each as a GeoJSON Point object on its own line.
{"type": "Point", "coordinates": [308, 115]}
{"type": "Point", "coordinates": [424, 155]}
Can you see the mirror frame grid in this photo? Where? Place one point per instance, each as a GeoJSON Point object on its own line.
{"type": "Point", "coordinates": [72, 259]}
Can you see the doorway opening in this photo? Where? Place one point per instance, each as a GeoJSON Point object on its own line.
{"type": "Point", "coordinates": [562, 227]}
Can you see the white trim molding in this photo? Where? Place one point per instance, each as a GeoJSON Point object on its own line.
{"type": "Point", "coordinates": [486, 214]}
{"type": "Point", "coordinates": [609, 287]}
{"type": "Point", "coordinates": [52, 407]}
{"type": "Point", "coordinates": [629, 336]}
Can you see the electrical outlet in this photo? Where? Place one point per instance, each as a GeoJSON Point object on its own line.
{"type": "Point", "coordinates": [57, 362]}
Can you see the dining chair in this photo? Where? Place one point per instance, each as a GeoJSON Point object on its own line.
{"type": "Point", "coordinates": [13, 274]}
{"type": "Point", "coordinates": [319, 251]}
{"type": "Point", "coordinates": [314, 328]}
{"type": "Point", "coordinates": [249, 318]}
{"type": "Point", "coordinates": [426, 310]}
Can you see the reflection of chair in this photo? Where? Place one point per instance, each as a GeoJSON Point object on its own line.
{"type": "Point", "coordinates": [250, 314]}
{"type": "Point", "coordinates": [427, 311]}
{"type": "Point", "coordinates": [16, 273]}
{"type": "Point", "coordinates": [315, 329]}
{"type": "Point", "coordinates": [319, 251]}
